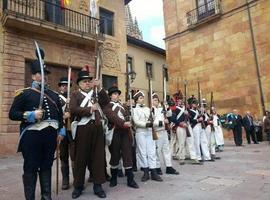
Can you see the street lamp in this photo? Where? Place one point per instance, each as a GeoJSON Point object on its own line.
{"type": "Point", "coordinates": [132, 75]}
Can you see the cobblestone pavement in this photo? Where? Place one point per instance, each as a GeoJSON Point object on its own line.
{"type": "Point", "coordinates": [242, 173]}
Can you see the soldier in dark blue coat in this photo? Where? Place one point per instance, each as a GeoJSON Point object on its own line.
{"type": "Point", "coordinates": [66, 143]}
{"type": "Point", "coordinates": [40, 129]}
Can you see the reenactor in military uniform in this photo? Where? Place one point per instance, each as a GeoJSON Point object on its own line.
{"type": "Point", "coordinates": [145, 144]}
{"type": "Point", "coordinates": [89, 139]}
{"type": "Point", "coordinates": [121, 143]}
{"type": "Point", "coordinates": [64, 145]}
{"type": "Point", "coordinates": [198, 127]}
{"type": "Point", "coordinates": [39, 131]}
{"type": "Point", "coordinates": [180, 119]}
{"type": "Point", "coordinates": [212, 131]}
{"type": "Point", "coordinates": [162, 143]}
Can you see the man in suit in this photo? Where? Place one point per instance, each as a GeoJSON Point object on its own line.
{"type": "Point", "coordinates": [236, 120]}
{"type": "Point", "coordinates": [249, 128]}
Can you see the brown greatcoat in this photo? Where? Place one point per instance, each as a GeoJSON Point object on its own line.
{"type": "Point", "coordinates": [121, 145]}
{"type": "Point", "coordinates": [89, 141]}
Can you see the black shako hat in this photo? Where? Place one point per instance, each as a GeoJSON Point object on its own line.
{"type": "Point", "coordinates": [192, 100]}
{"type": "Point", "coordinates": [83, 75]}
{"type": "Point", "coordinates": [64, 80]}
{"type": "Point", "coordinates": [35, 67]}
{"type": "Point", "coordinates": [113, 89]}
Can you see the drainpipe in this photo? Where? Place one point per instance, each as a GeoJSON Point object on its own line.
{"type": "Point", "coordinates": [256, 58]}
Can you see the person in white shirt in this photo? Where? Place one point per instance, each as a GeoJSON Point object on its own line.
{"type": "Point", "coordinates": [145, 144]}
{"type": "Point", "coordinates": [163, 146]}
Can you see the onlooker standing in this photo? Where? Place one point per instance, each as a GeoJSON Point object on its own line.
{"type": "Point", "coordinates": [236, 123]}
{"type": "Point", "coordinates": [266, 126]}
{"type": "Point", "coordinates": [249, 128]}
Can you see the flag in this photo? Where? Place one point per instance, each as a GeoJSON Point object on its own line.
{"type": "Point", "coordinates": [65, 3]}
{"type": "Point", "coordinates": [93, 8]}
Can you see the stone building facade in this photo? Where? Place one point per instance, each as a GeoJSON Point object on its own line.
{"type": "Point", "coordinates": [67, 35]}
{"type": "Point", "coordinates": [215, 42]}
{"type": "Point", "coordinates": [142, 55]}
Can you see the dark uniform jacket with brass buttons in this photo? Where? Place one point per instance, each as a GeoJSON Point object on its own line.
{"type": "Point", "coordinates": [28, 100]}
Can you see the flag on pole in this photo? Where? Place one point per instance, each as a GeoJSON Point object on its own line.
{"type": "Point", "coordinates": [65, 3]}
{"type": "Point", "coordinates": [93, 8]}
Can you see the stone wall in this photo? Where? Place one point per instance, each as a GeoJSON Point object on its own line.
{"type": "Point", "coordinates": [219, 54]}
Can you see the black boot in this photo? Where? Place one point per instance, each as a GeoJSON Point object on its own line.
{"type": "Point", "coordinates": [145, 176]}
{"type": "Point", "coordinates": [107, 176]}
{"type": "Point", "coordinates": [29, 183]}
{"type": "Point", "coordinates": [130, 178]}
{"type": "Point", "coordinates": [155, 176]}
{"type": "Point", "coordinates": [99, 191]}
{"type": "Point", "coordinates": [77, 192]}
{"type": "Point", "coordinates": [159, 172]}
{"type": "Point", "coordinates": [45, 184]}
{"type": "Point", "coordinates": [120, 173]}
{"type": "Point", "coordinates": [65, 175]}
{"type": "Point", "coordinates": [113, 181]}
{"type": "Point", "coordinates": [171, 170]}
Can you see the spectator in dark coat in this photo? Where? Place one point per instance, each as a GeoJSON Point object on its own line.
{"type": "Point", "coordinates": [248, 124]}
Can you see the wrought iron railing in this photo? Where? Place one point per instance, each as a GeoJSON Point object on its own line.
{"type": "Point", "coordinates": [48, 11]}
{"type": "Point", "coordinates": [203, 12]}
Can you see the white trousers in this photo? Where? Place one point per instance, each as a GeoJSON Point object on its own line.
{"type": "Point", "coordinates": [146, 149]}
{"type": "Point", "coordinates": [211, 138]}
{"type": "Point", "coordinates": [186, 143]}
{"type": "Point", "coordinates": [174, 144]}
{"type": "Point", "coordinates": [219, 135]}
{"type": "Point", "coordinates": [200, 142]}
{"type": "Point", "coordinates": [163, 149]}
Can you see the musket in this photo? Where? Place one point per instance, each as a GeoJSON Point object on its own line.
{"type": "Point", "coordinates": [57, 166]}
{"type": "Point", "coordinates": [97, 77]}
{"type": "Point", "coordinates": [165, 78]}
{"type": "Point", "coordinates": [211, 112]}
{"type": "Point", "coordinates": [154, 134]}
{"type": "Point", "coordinates": [129, 96]}
{"type": "Point", "coordinates": [186, 117]}
{"type": "Point", "coordinates": [68, 96]}
{"type": "Point", "coordinates": [200, 104]}
{"type": "Point", "coordinates": [164, 104]}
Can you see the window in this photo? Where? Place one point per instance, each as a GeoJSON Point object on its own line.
{"type": "Point", "coordinates": [205, 8]}
{"type": "Point", "coordinates": [53, 12]}
{"type": "Point", "coordinates": [130, 64]}
{"type": "Point", "coordinates": [149, 69]}
{"type": "Point", "coordinates": [108, 81]}
{"type": "Point", "coordinates": [106, 22]}
{"type": "Point", "coordinates": [165, 73]}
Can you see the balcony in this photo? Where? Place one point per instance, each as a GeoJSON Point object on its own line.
{"type": "Point", "coordinates": [204, 13]}
{"type": "Point", "coordinates": [42, 16]}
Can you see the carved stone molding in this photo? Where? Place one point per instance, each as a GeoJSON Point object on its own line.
{"type": "Point", "coordinates": [110, 55]}
{"type": "Point", "coordinates": [83, 5]}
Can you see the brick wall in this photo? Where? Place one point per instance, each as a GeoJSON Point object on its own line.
{"type": "Point", "coordinates": [18, 46]}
